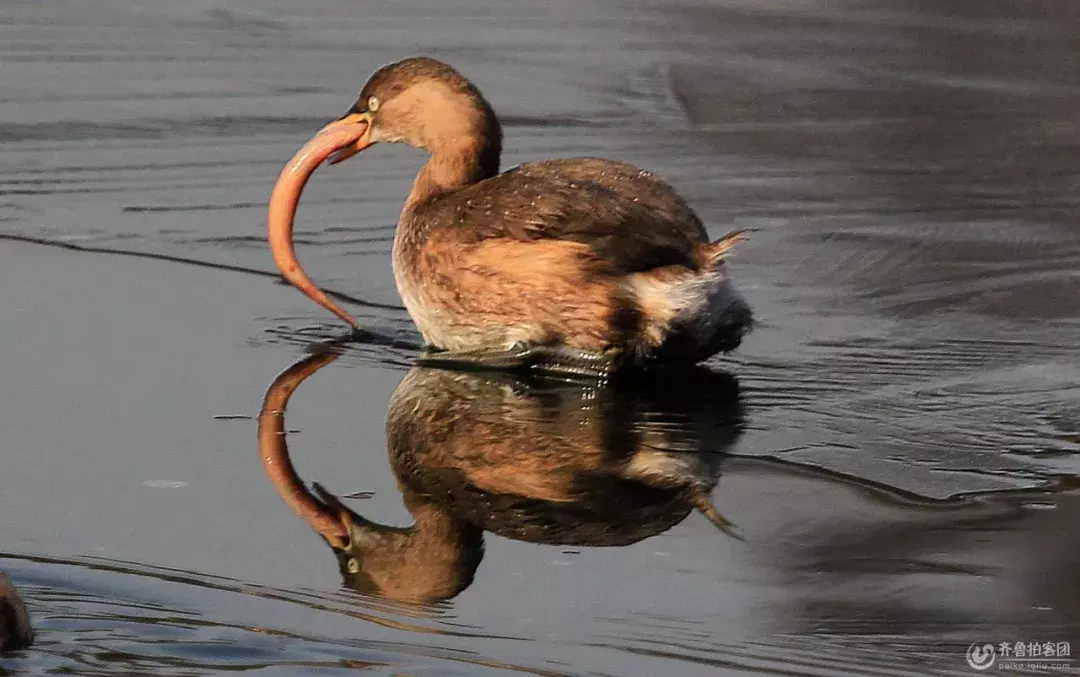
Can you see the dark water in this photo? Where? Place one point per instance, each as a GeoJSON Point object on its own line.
{"type": "Point", "coordinates": [897, 444]}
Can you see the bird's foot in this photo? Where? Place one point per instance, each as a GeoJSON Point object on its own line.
{"type": "Point", "coordinates": [552, 359]}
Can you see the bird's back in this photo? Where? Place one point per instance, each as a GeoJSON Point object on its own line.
{"type": "Point", "coordinates": [583, 252]}
{"type": "Point", "coordinates": [628, 216]}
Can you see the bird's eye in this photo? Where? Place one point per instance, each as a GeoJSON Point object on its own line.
{"type": "Point", "coordinates": [373, 103]}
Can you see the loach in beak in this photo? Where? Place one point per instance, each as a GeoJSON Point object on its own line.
{"type": "Point", "coordinates": [348, 120]}
{"type": "Point", "coordinates": [274, 450]}
{"type": "Point", "coordinates": [336, 141]}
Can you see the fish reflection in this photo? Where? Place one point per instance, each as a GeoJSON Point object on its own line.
{"type": "Point", "coordinates": [531, 460]}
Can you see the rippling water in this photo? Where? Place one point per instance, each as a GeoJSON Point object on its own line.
{"type": "Point", "coordinates": [896, 445]}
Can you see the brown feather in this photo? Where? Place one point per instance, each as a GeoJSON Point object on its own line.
{"type": "Point", "coordinates": [628, 217]}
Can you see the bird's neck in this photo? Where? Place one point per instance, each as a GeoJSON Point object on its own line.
{"type": "Point", "coordinates": [437, 540]}
{"type": "Point", "coordinates": [455, 164]}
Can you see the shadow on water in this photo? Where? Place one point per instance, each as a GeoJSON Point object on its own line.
{"type": "Point", "coordinates": [103, 616]}
{"type": "Point", "coordinates": [832, 573]}
{"type": "Point", "coordinates": [528, 459]}
{"type": "Point", "coordinates": [831, 559]}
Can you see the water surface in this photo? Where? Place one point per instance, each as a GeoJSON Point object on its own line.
{"type": "Point", "coordinates": [896, 444]}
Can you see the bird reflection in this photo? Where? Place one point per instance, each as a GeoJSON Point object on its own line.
{"type": "Point", "coordinates": [527, 459]}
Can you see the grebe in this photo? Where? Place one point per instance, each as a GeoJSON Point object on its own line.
{"type": "Point", "coordinates": [534, 460]}
{"type": "Point", "coordinates": [580, 264]}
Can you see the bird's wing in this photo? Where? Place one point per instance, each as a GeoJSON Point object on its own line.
{"type": "Point", "coordinates": [629, 217]}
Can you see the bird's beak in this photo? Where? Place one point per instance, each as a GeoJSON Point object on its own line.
{"type": "Point", "coordinates": [351, 121]}
{"type": "Point", "coordinates": [337, 141]}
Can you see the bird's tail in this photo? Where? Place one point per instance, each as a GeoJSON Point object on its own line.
{"type": "Point", "coordinates": [715, 250]}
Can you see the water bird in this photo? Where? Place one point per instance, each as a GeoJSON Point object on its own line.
{"type": "Point", "coordinates": [540, 461]}
{"type": "Point", "coordinates": [580, 265]}
{"type": "Point", "coordinates": [15, 630]}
